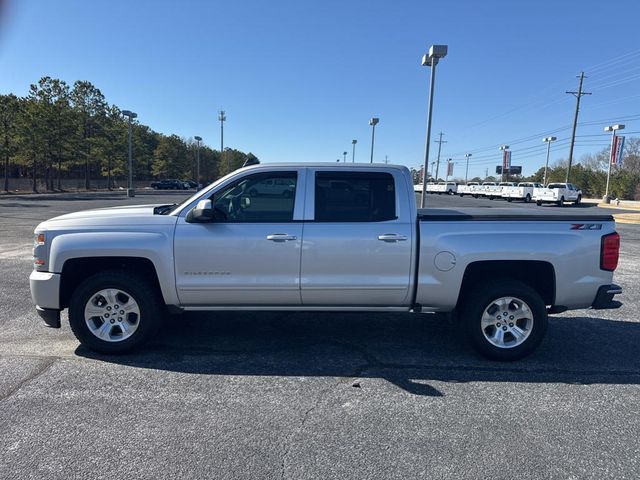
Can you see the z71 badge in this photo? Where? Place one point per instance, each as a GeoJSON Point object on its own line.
{"type": "Point", "coordinates": [586, 226]}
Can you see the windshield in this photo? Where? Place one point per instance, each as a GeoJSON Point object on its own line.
{"type": "Point", "coordinates": [198, 194]}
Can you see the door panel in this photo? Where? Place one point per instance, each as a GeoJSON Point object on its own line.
{"type": "Point", "coordinates": [235, 264]}
{"type": "Point", "coordinates": [250, 253]}
{"type": "Point", "coordinates": [357, 246]}
{"type": "Point", "coordinates": [346, 264]}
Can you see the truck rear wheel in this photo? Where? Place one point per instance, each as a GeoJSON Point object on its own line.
{"type": "Point", "coordinates": [539, 203]}
{"type": "Point", "coordinates": [114, 311]}
{"type": "Point", "coordinates": [527, 199]}
{"type": "Point", "coordinates": [505, 320]}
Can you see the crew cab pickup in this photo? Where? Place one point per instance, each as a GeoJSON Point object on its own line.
{"type": "Point", "coordinates": [348, 238]}
{"type": "Point", "coordinates": [523, 191]}
{"type": "Point", "coordinates": [558, 193]}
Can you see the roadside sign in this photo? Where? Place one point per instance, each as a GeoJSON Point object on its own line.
{"type": "Point", "coordinates": [513, 170]}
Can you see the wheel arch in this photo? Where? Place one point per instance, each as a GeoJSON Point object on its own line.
{"type": "Point", "coordinates": [76, 270]}
{"type": "Point", "coordinates": [537, 274]}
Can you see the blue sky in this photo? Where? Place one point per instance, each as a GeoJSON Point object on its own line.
{"type": "Point", "coordinates": [299, 80]}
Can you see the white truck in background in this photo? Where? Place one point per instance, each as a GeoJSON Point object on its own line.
{"type": "Point", "coordinates": [470, 188]}
{"type": "Point", "coordinates": [523, 191]}
{"type": "Point", "coordinates": [449, 188]}
{"type": "Point", "coordinates": [558, 193]}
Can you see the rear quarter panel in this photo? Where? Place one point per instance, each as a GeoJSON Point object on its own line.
{"type": "Point", "coordinates": [574, 255]}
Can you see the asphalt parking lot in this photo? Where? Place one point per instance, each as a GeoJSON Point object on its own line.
{"type": "Point", "coordinates": [300, 395]}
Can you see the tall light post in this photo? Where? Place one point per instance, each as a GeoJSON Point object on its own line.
{"type": "Point", "coordinates": [612, 129]}
{"type": "Point", "coordinates": [353, 151]}
{"type": "Point", "coordinates": [373, 122]}
{"type": "Point", "coordinates": [344, 157]}
{"type": "Point", "coordinates": [130, 115]}
{"type": "Point", "coordinates": [198, 140]}
{"type": "Point", "coordinates": [221, 118]}
{"type": "Point", "coordinates": [431, 59]}
{"type": "Point", "coordinates": [432, 165]}
{"type": "Point", "coordinates": [503, 148]}
{"type": "Point", "coordinates": [546, 165]}
{"type": "Point", "coordinates": [466, 173]}
{"type": "Point", "coordinates": [448, 168]}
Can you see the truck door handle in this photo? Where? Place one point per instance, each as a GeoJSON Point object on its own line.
{"type": "Point", "coordinates": [281, 237]}
{"type": "Point", "coordinates": [392, 237]}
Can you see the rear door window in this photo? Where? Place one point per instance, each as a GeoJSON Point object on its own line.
{"type": "Point", "coordinates": [354, 197]}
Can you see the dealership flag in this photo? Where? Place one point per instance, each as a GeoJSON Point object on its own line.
{"type": "Point", "coordinates": [616, 150]}
{"type": "Point", "coordinates": [450, 169]}
{"type": "Point", "coordinates": [506, 160]}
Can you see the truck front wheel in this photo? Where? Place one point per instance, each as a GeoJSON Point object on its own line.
{"type": "Point", "coordinates": [114, 311]}
{"type": "Point", "coordinates": [505, 320]}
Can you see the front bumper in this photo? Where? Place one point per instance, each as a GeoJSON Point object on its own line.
{"type": "Point", "coordinates": [45, 292]}
{"type": "Point", "coordinates": [45, 289]}
{"type": "Point", "coordinates": [604, 297]}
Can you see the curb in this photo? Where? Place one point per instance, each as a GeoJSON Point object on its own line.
{"type": "Point", "coordinates": [628, 218]}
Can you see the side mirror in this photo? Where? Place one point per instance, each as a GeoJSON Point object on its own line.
{"type": "Point", "coordinates": [201, 213]}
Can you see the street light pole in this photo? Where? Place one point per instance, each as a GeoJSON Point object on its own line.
{"type": "Point", "coordinates": [344, 157]}
{"type": "Point", "coordinates": [466, 174]}
{"type": "Point", "coordinates": [612, 129]}
{"type": "Point", "coordinates": [222, 117]}
{"type": "Point", "coordinates": [353, 152]}
{"type": "Point", "coordinates": [373, 122]}
{"type": "Point", "coordinates": [448, 168]}
{"type": "Point", "coordinates": [431, 60]}
{"type": "Point", "coordinates": [546, 165]}
{"type": "Point", "coordinates": [130, 115]}
{"type": "Point", "coordinates": [198, 140]}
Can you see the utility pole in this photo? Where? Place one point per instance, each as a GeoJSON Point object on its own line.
{"type": "Point", "coordinates": [432, 165]}
{"type": "Point", "coordinates": [439, 142]}
{"type": "Point", "coordinates": [353, 152]}
{"type": "Point", "coordinates": [578, 95]}
{"type": "Point", "coordinates": [486, 173]}
{"type": "Point", "coordinates": [386, 159]}
{"type": "Point", "coordinates": [466, 174]}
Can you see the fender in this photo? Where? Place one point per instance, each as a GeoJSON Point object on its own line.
{"type": "Point", "coordinates": [153, 246]}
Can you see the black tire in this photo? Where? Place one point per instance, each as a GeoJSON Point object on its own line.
{"type": "Point", "coordinates": [509, 200]}
{"type": "Point", "coordinates": [527, 199]}
{"type": "Point", "coordinates": [560, 202]}
{"type": "Point", "coordinates": [475, 303]}
{"type": "Point", "coordinates": [145, 295]}
{"type": "Point", "coordinates": [578, 200]}
{"type": "Point", "coordinates": [539, 203]}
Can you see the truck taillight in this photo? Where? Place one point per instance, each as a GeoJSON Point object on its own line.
{"type": "Point", "coordinates": [609, 251]}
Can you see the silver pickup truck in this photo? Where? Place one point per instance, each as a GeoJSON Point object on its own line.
{"type": "Point", "coordinates": [338, 238]}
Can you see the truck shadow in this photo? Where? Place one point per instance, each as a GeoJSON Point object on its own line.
{"type": "Point", "coordinates": [413, 352]}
